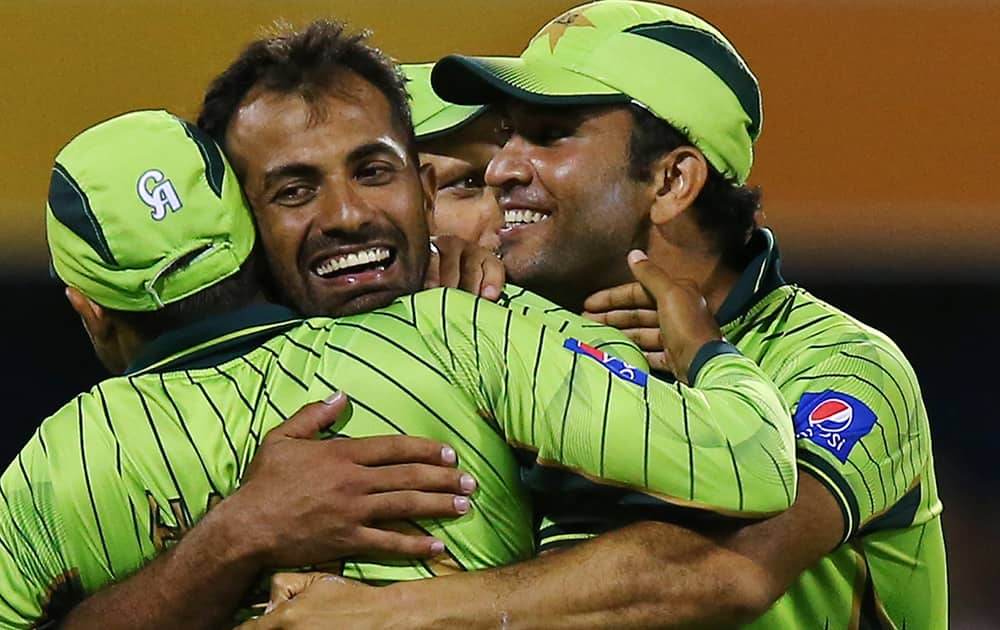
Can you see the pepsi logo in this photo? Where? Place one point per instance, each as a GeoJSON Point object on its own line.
{"type": "Point", "coordinates": [832, 415]}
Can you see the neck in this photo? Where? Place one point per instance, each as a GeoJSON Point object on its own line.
{"type": "Point", "coordinates": [690, 257]}
{"type": "Point", "coordinates": [130, 337]}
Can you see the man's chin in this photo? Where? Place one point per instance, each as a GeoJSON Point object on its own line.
{"type": "Point", "coordinates": [521, 265]}
{"type": "Point", "coordinates": [354, 305]}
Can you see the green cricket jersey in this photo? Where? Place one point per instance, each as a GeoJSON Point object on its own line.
{"type": "Point", "coordinates": [862, 431]}
{"type": "Point", "coordinates": [123, 471]}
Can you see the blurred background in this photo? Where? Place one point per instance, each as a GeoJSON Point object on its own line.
{"type": "Point", "coordinates": [877, 161]}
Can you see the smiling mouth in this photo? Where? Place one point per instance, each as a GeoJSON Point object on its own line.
{"type": "Point", "coordinates": [371, 259]}
{"type": "Point", "coordinates": [515, 218]}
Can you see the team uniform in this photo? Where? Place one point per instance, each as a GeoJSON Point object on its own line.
{"type": "Point", "coordinates": [121, 472]}
{"type": "Point", "coordinates": [862, 431]}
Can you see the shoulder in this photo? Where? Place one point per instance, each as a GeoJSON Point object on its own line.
{"type": "Point", "coordinates": [453, 306]}
{"type": "Point", "coordinates": [837, 334]}
{"type": "Point", "coordinates": [791, 330]}
{"type": "Point", "coordinates": [80, 434]}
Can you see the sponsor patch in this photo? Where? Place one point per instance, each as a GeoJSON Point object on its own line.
{"type": "Point", "coordinates": [614, 365]}
{"type": "Point", "coordinates": [833, 420]}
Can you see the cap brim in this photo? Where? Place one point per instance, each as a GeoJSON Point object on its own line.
{"type": "Point", "coordinates": [447, 120]}
{"type": "Point", "coordinates": [485, 80]}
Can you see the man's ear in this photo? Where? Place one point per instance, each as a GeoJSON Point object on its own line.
{"type": "Point", "coordinates": [678, 177]}
{"type": "Point", "coordinates": [95, 318]}
{"type": "Point", "coordinates": [428, 181]}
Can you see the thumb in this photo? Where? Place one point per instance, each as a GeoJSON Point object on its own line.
{"type": "Point", "coordinates": [432, 279]}
{"type": "Point", "coordinates": [651, 277]}
{"type": "Point", "coordinates": [314, 417]}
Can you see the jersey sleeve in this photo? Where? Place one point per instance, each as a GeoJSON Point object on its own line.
{"type": "Point", "coordinates": [68, 524]}
{"type": "Point", "coordinates": [586, 424]}
{"type": "Point", "coordinates": [604, 338]}
{"type": "Point", "coordinates": [861, 428]}
{"type": "Point", "coordinates": [34, 578]}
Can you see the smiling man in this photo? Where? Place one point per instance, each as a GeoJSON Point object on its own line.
{"type": "Point", "coordinates": [216, 374]}
{"type": "Point", "coordinates": [306, 153]}
{"type": "Point", "coordinates": [633, 125]}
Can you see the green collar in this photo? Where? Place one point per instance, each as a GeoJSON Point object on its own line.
{"type": "Point", "coordinates": [761, 276]}
{"type": "Point", "coordinates": [214, 340]}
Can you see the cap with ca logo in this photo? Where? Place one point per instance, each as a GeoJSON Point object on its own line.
{"type": "Point", "coordinates": [157, 192]}
{"type": "Point", "coordinates": [144, 210]}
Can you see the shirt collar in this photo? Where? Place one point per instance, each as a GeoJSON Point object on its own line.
{"type": "Point", "coordinates": [761, 276]}
{"type": "Point", "coordinates": [214, 340]}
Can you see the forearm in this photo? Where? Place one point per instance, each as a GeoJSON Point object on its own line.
{"type": "Point", "coordinates": [650, 575]}
{"type": "Point", "coordinates": [741, 439]}
{"type": "Point", "coordinates": [723, 446]}
{"type": "Point", "coordinates": [195, 585]}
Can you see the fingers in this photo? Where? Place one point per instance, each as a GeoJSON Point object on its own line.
{"type": "Point", "coordinates": [659, 362]}
{"type": "Point", "coordinates": [627, 319]}
{"type": "Point", "coordinates": [472, 261]}
{"type": "Point", "coordinates": [420, 477]}
{"type": "Point", "coordinates": [449, 260]}
{"type": "Point", "coordinates": [467, 266]}
{"type": "Point", "coordinates": [433, 277]}
{"type": "Point", "coordinates": [648, 339]}
{"type": "Point", "coordinates": [494, 277]}
{"type": "Point", "coordinates": [311, 419]}
{"type": "Point", "coordinates": [410, 504]}
{"type": "Point", "coordinates": [382, 542]}
{"type": "Point", "coordinates": [398, 449]}
{"type": "Point", "coordinates": [652, 278]}
{"type": "Point", "coordinates": [625, 296]}
{"type": "Point", "coordinates": [285, 586]}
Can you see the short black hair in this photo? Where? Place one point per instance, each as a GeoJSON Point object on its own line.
{"type": "Point", "coordinates": [724, 210]}
{"type": "Point", "coordinates": [225, 296]}
{"type": "Point", "coordinates": [307, 62]}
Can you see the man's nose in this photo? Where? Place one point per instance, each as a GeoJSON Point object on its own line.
{"type": "Point", "coordinates": [510, 166]}
{"type": "Point", "coordinates": [342, 209]}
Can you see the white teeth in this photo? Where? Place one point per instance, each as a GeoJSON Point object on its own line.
{"type": "Point", "coordinates": [515, 217]}
{"type": "Point", "coordinates": [354, 259]}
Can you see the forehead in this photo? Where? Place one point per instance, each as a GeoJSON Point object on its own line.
{"type": "Point", "coordinates": [272, 128]}
{"type": "Point", "coordinates": [475, 143]}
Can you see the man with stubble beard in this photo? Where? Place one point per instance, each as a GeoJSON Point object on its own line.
{"type": "Point", "coordinates": [632, 126]}
{"type": "Point", "coordinates": [339, 200]}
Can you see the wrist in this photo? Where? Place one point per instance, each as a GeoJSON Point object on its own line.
{"type": "Point", "coordinates": [420, 605]}
{"type": "Point", "coordinates": [706, 352]}
{"type": "Point", "coordinates": [235, 539]}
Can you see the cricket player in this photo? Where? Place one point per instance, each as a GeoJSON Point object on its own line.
{"type": "Point", "coordinates": [632, 125]}
{"type": "Point", "coordinates": [458, 141]}
{"type": "Point", "coordinates": [148, 229]}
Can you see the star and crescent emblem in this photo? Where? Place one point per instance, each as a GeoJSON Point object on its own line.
{"type": "Point", "coordinates": [558, 27]}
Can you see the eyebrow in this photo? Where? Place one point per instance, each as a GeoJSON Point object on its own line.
{"type": "Point", "coordinates": [295, 169]}
{"type": "Point", "coordinates": [374, 148]}
{"type": "Point", "coordinates": [303, 169]}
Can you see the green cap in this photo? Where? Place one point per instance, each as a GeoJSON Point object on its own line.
{"type": "Point", "coordinates": [669, 61]}
{"type": "Point", "coordinates": [144, 210]}
{"type": "Point", "coordinates": [433, 117]}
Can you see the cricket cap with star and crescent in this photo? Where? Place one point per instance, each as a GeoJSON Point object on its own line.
{"type": "Point", "coordinates": [662, 58]}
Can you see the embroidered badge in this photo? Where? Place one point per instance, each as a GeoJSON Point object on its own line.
{"type": "Point", "coordinates": [613, 364]}
{"type": "Point", "coordinates": [833, 420]}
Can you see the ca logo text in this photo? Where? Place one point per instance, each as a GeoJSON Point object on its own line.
{"type": "Point", "coordinates": [158, 193]}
